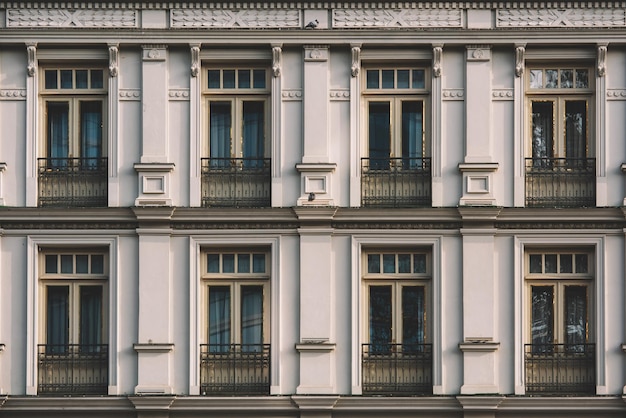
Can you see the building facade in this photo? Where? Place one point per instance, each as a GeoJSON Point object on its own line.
{"type": "Point", "coordinates": [312, 209]}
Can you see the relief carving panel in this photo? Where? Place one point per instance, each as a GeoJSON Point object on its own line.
{"type": "Point", "coordinates": [406, 18]}
{"type": "Point", "coordinates": [561, 18]}
{"type": "Point", "coordinates": [35, 18]}
{"type": "Point", "coordinates": [194, 18]}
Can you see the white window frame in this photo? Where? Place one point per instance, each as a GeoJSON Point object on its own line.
{"type": "Point", "coordinates": [198, 245]}
{"type": "Point", "coordinates": [35, 245]}
{"type": "Point", "coordinates": [361, 244]}
{"type": "Point", "coordinates": [595, 244]}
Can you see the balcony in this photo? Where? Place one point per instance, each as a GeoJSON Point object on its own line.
{"type": "Point", "coordinates": [72, 182]}
{"type": "Point", "coordinates": [236, 182]}
{"type": "Point", "coordinates": [396, 369]}
{"type": "Point", "coordinates": [560, 369]}
{"type": "Point", "coordinates": [396, 182]}
{"type": "Point", "coordinates": [73, 369]}
{"type": "Point", "coordinates": [235, 369]}
{"type": "Point", "coordinates": [561, 182]}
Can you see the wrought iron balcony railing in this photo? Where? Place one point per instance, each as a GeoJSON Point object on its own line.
{"type": "Point", "coordinates": [73, 182]}
{"type": "Point", "coordinates": [560, 369]}
{"type": "Point", "coordinates": [560, 182]}
{"type": "Point", "coordinates": [397, 369]}
{"type": "Point", "coordinates": [396, 182]}
{"type": "Point", "coordinates": [73, 369]}
{"type": "Point", "coordinates": [235, 369]}
{"type": "Point", "coordinates": [236, 182]}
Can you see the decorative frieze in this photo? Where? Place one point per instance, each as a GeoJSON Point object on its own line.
{"type": "Point", "coordinates": [13, 94]}
{"type": "Point", "coordinates": [616, 94]}
{"type": "Point", "coordinates": [340, 95]}
{"type": "Point", "coordinates": [179, 94]}
{"type": "Point", "coordinates": [608, 17]}
{"type": "Point", "coordinates": [59, 18]}
{"type": "Point", "coordinates": [195, 18]}
{"type": "Point", "coordinates": [453, 94]}
{"type": "Point", "coordinates": [292, 95]}
{"type": "Point", "coordinates": [130, 95]}
{"type": "Point", "coordinates": [404, 18]}
{"type": "Point", "coordinates": [502, 94]}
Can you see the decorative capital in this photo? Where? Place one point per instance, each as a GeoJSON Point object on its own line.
{"type": "Point", "coordinates": [31, 50]}
{"type": "Point", "coordinates": [520, 50]}
{"type": "Point", "coordinates": [113, 59]}
{"type": "Point", "coordinates": [437, 55]}
{"type": "Point", "coordinates": [195, 60]}
{"type": "Point", "coordinates": [277, 55]}
{"type": "Point", "coordinates": [356, 60]}
{"type": "Point", "coordinates": [602, 60]}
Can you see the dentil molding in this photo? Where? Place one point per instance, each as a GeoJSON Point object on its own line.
{"type": "Point", "coordinates": [565, 17]}
{"type": "Point", "coordinates": [404, 18]}
{"type": "Point", "coordinates": [64, 18]}
{"type": "Point", "coordinates": [197, 18]}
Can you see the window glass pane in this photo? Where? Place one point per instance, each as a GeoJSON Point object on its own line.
{"type": "Point", "coordinates": [550, 260]}
{"type": "Point", "coordinates": [228, 263]}
{"type": "Point", "coordinates": [389, 263]}
{"type": "Point", "coordinates": [576, 317]}
{"type": "Point", "coordinates": [51, 79]}
{"type": "Point", "coordinates": [253, 133]}
{"type": "Point", "coordinates": [67, 264]}
{"type": "Point", "coordinates": [213, 263]}
{"type": "Point", "coordinates": [419, 263]}
{"type": "Point", "coordinates": [388, 76]}
{"type": "Point", "coordinates": [581, 263]}
{"type": "Point", "coordinates": [373, 263]}
{"type": "Point", "coordinates": [58, 132]}
{"type": "Point", "coordinates": [90, 331]}
{"type": "Point", "coordinates": [542, 317]}
{"type": "Point", "coordinates": [582, 79]}
{"type": "Point", "coordinates": [380, 318]}
{"type": "Point", "coordinates": [97, 79]}
{"type": "Point", "coordinates": [229, 79]}
{"type": "Point", "coordinates": [244, 79]}
{"type": "Point", "coordinates": [542, 132]}
{"type": "Point", "coordinates": [51, 264]}
{"type": "Point", "coordinates": [536, 79]}
{"type": "Point", "coordinates": [214, 79]}
{"type": "Point", "coordinates": [565, 263]}
{"type": "Point", "coordinates": [243, 263]}
{"type": "Point", "coordinates": [567, 79]}
{"type": "Point", "coordinates": [372, 79]}
{"type": "Point", "coordinates": [379, 135]}
{"type": "Point", "coordinates": [576, 129]}
{"type": "Point", "coordinates": [57, 318]}
{"type": "Point", "coordinates": [412, 139]}
{"type": "Point", "coordinates": [66, 79]}
{"type": "Point", "coordinates": [403, 79]}
{"type": "Point", "coordinates": [552, 79]}
{"type": "Point", "coordinates": [97, 264]}
{"type": "Point", "coordinates": [258, 263]}
{"type": "Point", "coordinates": [535, 263]}
{"type": "Point", "coordinates": [82, 79]}
{"type": "Point", "coordinates": [412, 317]}
{"type": "Point", "coordinates": [219, 319]}
{"type": "Point", "coordinates": [82, 263]}
{"type": "Point", "coordinates": [219, 133]}
{"type": "Point", "coordinates": [251, 318]}
{"type": "Point", "coordinates": [404, 263]}
{"type": "Point", "coordinates": [91, 133]}
{"type": "Point", "coordinates": [259, 79]}
{"type": "Point", "coordinates": [419, 79]}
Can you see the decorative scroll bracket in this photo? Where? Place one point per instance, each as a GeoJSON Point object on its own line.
{"type": "Point", "coordinates": [31, 50]}
{"type": "Point", "coordinates": [195, 60]}
{"type": "Point", "coordinates": [356, 60]}
{"type": "Point", "coordinates": [602, 60]}
{"type": "Point", "coordinates": [520, 50]}
{"type": "Point", "coordinates": [113, 60]}
{"type": "Point", "coordinates": [437, 64]}
{"type": "Point", "coordinates": [277, 56]}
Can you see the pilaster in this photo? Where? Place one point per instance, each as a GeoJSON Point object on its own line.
{"type": "Point", "coordinates": [317, 300]}
{"type": "Point", "coordinates": [154, 347]}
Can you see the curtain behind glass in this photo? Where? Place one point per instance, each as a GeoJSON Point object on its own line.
{"type": "Point", "coordinates": [542, 131]}
{"type": "Point", "coordinates": [91, 132]}
{"type": "Point", "coordinates": [379, 135]}
{"type": "Point", "coordinates": [576, 317]}
{"type": "Point", "coordinates": [542, 323]}
{"type": "Point", "coordinates": [412, 318]}
{"type": "Point", "coordinates": [57, 317]}
{"type": "Point", "coordinates": [219, 319]}
{"type": "Point", "coordinates": [576, 129]}
{"type": "Point", "coordinates": [90, 332]}
{"type": "Point", "coordinates": [380, 319]}
{"type": "Point", "coordinates": [412, 139]}
{"type": "Point", "coordinates": [251, 318]}
{"type": "Point", "coordinates": [219, 131]}
{"type": "Point", "coordinates": [253, 133]}
{"type": "Point", "coordinates": [58, 133]}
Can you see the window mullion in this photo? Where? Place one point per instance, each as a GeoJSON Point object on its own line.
{"type": "Point", "coordinates": [235, 336]}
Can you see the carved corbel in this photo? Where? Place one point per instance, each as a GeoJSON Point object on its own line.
{"type": "Point", "coordinates": [437, 55]}
{"type": "Point", "coordinates": [277, 56]}
{"type": "Point", "coordinates": [113, 60]}
{"type": "Point", "coordinates": [602, 60]}
{"type": "Point", "coordinates": [356, 60]}
{"type": "Point", "coordinates": [520, 50]}
{"type": "Point", "coordinates": [195, 60]}
{"type": "Point", "coordinates": [31, 50]}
